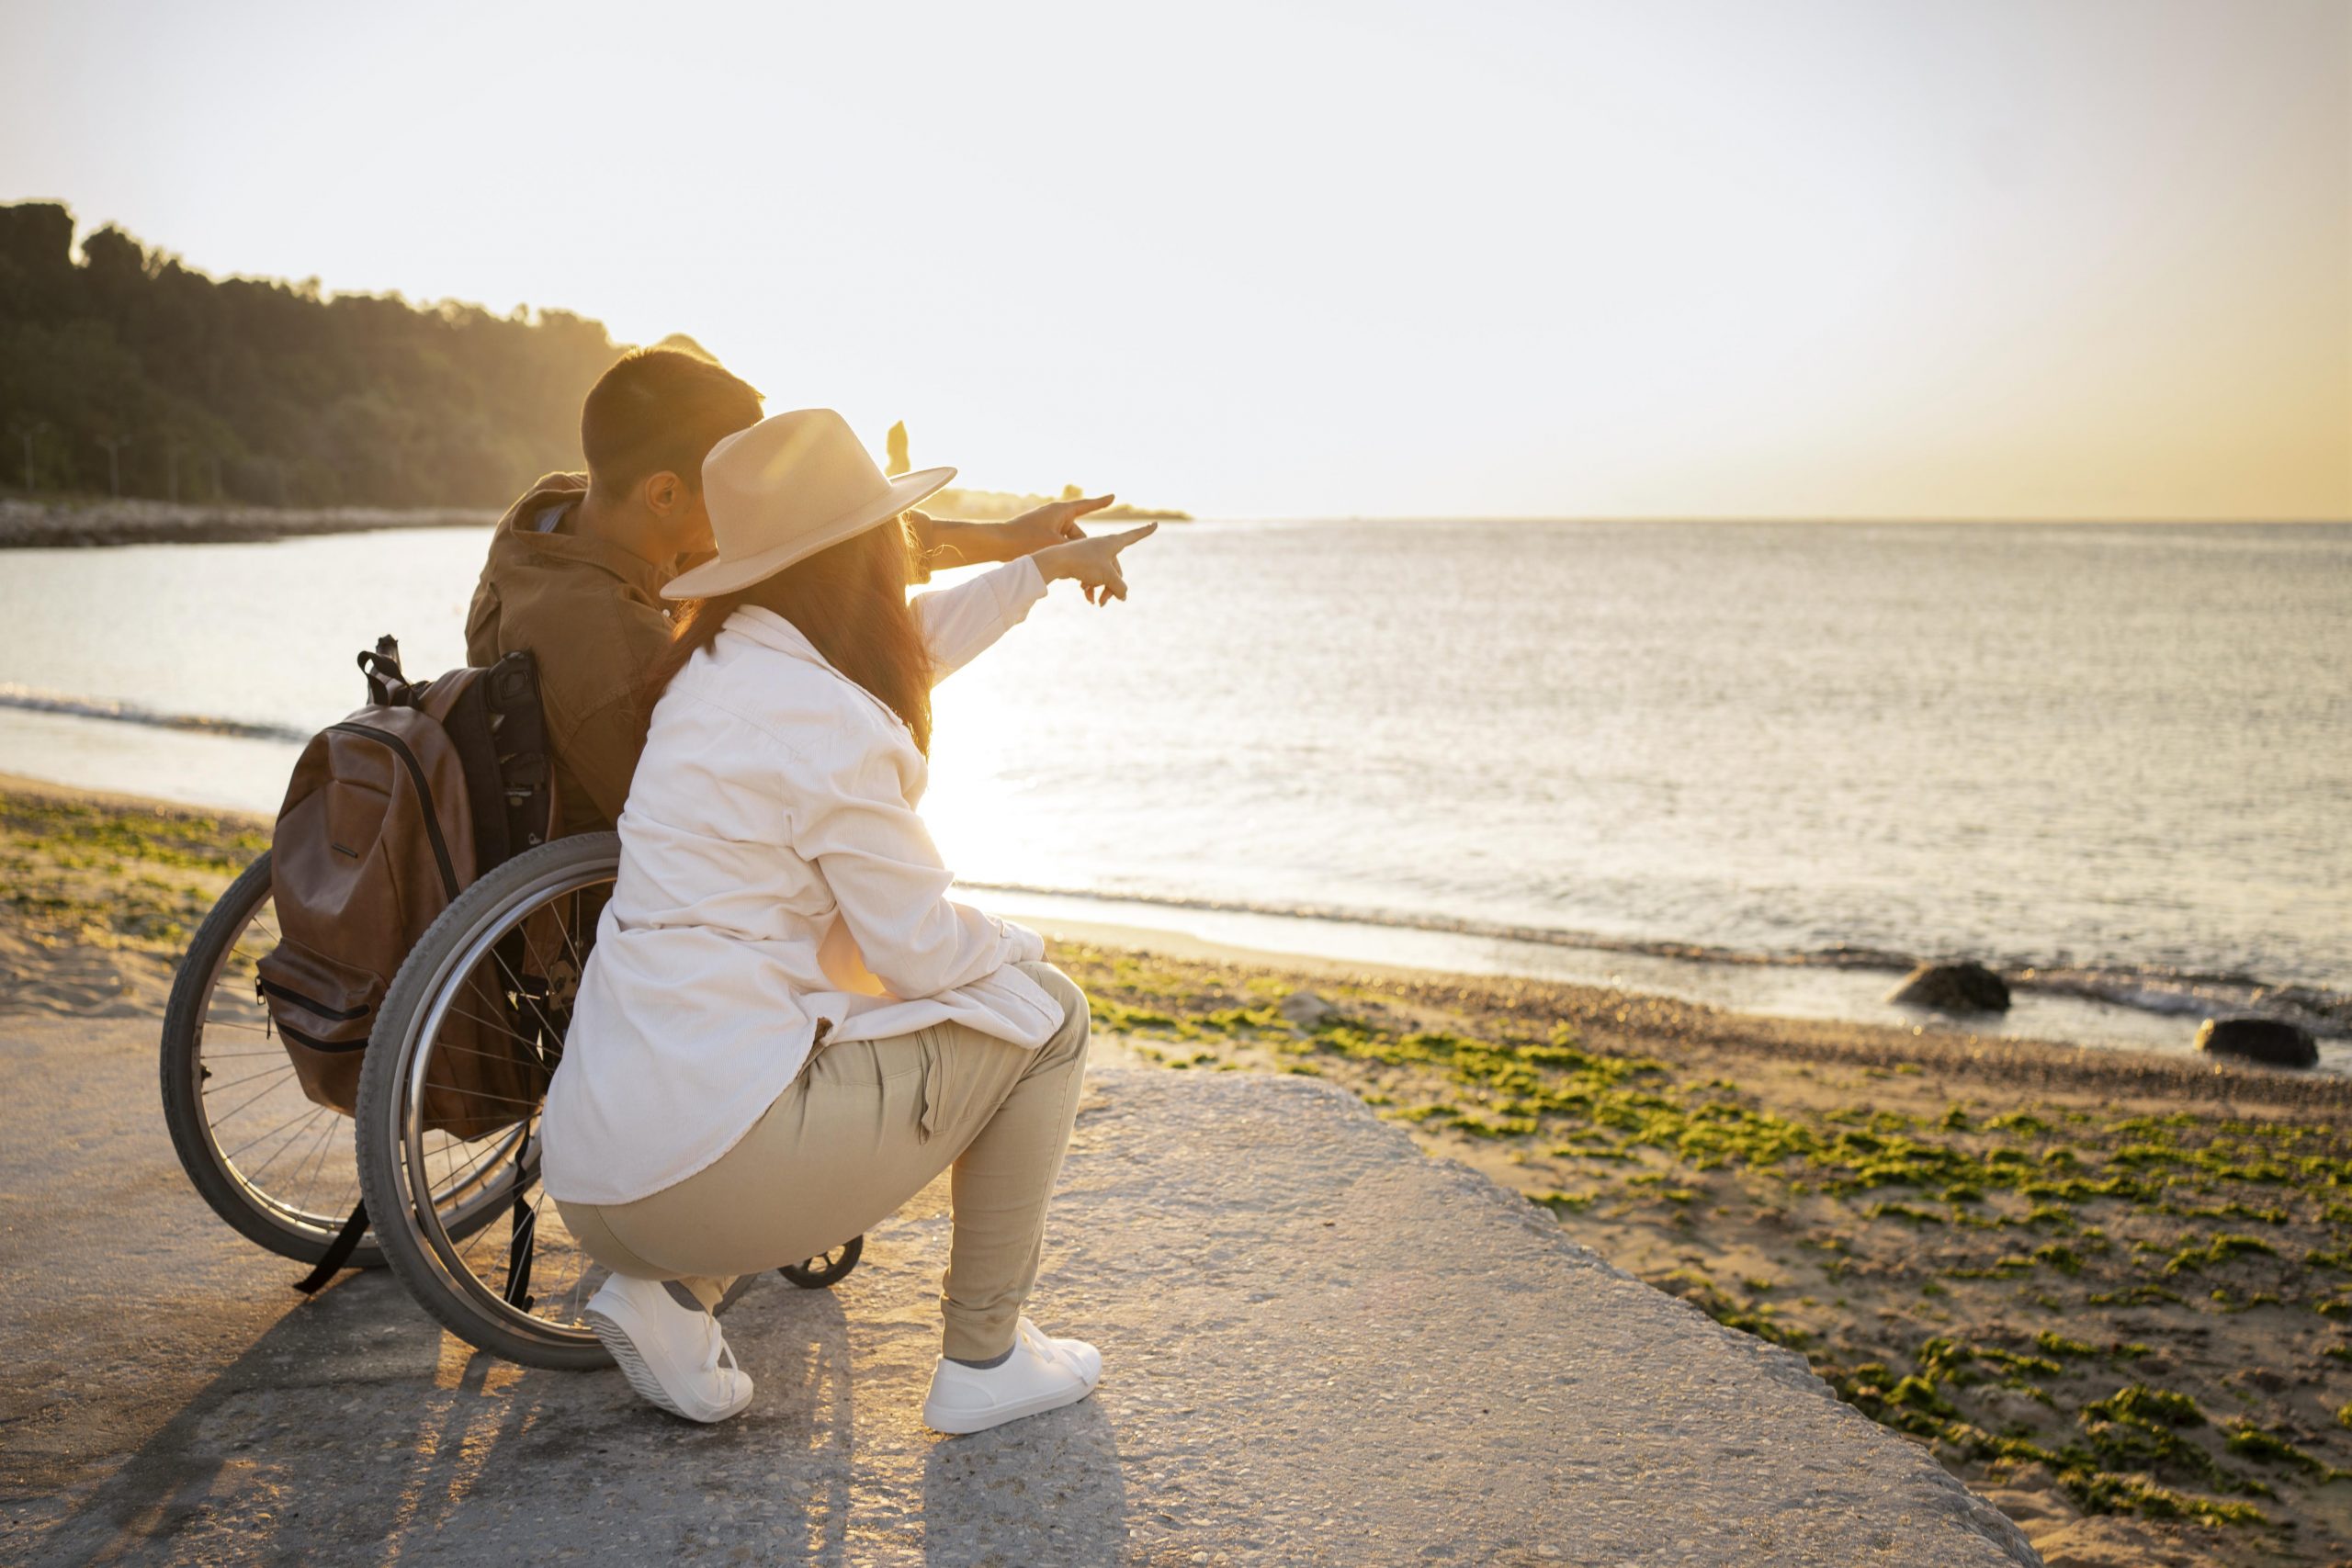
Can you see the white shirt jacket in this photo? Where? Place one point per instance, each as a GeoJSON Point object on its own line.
{"type": "Point", "coordinates": [774, 878]}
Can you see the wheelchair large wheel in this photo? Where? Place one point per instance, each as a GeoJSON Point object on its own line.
{"type": "Point", "coordinates": [279, 1169]}
{"type": "Point", "coordinates": [520, 933]}
{"type": "Point", "coordinates": [519, 938]}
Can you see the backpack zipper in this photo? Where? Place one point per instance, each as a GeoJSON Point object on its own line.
{"type": "Point", "coordinates": [314, 1042]}
{"type": "Point", "coordinates": [424, 792]}
{"type": "Point", "coordinates": [298, 999]}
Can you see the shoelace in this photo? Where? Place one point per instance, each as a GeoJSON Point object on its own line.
{"type": "Point", "coordinates": [714, 1345]}
{"type": "Point", "coordinates": [1039, 1340]}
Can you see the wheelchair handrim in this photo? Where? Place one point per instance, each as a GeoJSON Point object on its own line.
{"type": "Point", "coordinates": [415, 1069]}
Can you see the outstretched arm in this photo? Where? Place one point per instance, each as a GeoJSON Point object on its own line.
{"type": "Point", "coordinates": [959, 623]}
{"type": "Point", "coordinates": [948, 542]}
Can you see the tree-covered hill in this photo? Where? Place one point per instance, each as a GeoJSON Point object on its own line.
{"type": "Point", "coordinates": [124, 368]}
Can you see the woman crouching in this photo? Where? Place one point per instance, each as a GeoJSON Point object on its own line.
{"type": "Point", "coordinates": [787, 1028]}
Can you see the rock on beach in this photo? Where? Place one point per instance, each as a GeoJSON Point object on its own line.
{"type": "Point", "coordinates": [1305, 1010]}
{"type": "Point", "coordinates": [2269, 1040]}
{"type": "Point", "coordinates": [1952, 987]}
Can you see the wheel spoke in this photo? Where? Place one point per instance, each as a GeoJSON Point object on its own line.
{"type": "Point", "coordinates": [271, 1073]}
{"type": "Point", "coordinates": [302, 1173]}
{"type": "Point", "coordinates": [450, 1180]}
{"type": "Point", "coordinates": [257, 1099]}
{"type": "Point", "coordinates": [507, 1029]}
{"type": "Point", "coordinates": [281, 1127]}
{"type": "Point", "coordinates": [291, 1139]}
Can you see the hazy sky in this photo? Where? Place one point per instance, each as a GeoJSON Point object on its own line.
{"type": "Point", "coordinates": [1898, 257]}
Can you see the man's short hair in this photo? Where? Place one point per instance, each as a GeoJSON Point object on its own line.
{"type": "Point", "coordinates": [660, 410]}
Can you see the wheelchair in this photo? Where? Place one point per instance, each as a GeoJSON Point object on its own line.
{"type": "Point", "coordinates": [461, 1221]}
{"type": "Point", "coordinates": [506, 954]}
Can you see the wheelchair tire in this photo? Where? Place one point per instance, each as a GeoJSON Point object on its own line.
{"type": "Point", "coordinates": [461, 1277]}
{"type": "Point", "coordinates": [208, 1023]}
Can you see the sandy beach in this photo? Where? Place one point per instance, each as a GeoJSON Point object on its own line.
{"type": "Point", "coordinates": [2110, 1291]}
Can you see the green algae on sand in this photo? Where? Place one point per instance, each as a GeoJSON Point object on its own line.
{"type": "Point", "coordinates": [1997, 1269]}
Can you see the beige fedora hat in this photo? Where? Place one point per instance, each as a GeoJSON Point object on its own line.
{"type": "Point", "coordinates": [787, 488]}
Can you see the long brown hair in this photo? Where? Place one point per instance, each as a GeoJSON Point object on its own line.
{"type": "Point", "coordinates": [850, 601]}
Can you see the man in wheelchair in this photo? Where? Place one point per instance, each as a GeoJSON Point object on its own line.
{"type": "Point", "coordinates": [577, 565]}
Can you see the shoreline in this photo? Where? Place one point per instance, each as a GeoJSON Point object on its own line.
{"type": "Point", "coordinates": [103, 522]}
{"type": "Point", "coordinates": [2114, 1008]}
{"type": "Point", "coordinates": [2153, 1011]}
{"type": "Point", "coordinates": [1946, 1044]}
{"type": "Point", "coordinates": [2111, 1290]}
{"type": "Point", "coordinates": [2023, 1061]}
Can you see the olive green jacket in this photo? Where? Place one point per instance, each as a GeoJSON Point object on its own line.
{"type": "Point", "coordinates": [594, 618]}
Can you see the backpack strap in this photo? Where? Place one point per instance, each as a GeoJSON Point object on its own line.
{"type": "Point", "coordinates": [339, 1250]}
{"type": "Point", "coordinates": [523, 760]}
{"type": "Point", "coordinates": [387, 686]}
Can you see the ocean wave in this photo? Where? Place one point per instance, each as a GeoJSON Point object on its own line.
{"type": "Point", "coordinates": [2153, 988]}
{"type": "Point", "coordinates": [31, 701]}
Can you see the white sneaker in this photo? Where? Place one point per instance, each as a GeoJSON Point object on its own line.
{"type": "Point", "coordinates": [670, 1352]}
{"type": "Point", "coordinates": [1043, 1374]}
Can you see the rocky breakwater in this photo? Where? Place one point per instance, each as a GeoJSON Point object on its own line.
{"type": "Point", "coordinates": [32, 525]}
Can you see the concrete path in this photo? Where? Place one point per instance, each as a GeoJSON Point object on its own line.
{"type": "Point", "coordinates": [1320, 1346]}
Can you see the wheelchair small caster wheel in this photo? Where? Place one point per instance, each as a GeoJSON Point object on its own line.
{"type": "Point", "coordinates": [827, 1269]}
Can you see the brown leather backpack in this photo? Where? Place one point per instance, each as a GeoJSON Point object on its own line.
{"type": "Point", "coordinates": [392, 813]}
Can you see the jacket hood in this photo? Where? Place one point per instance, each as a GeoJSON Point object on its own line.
{"type": "Point", "coordinates": [517, 542]}
{"type": "Point", "coordinates": [547, 490]}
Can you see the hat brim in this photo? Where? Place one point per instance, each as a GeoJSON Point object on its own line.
{"type": "Point", "coordinates": [715, 576]}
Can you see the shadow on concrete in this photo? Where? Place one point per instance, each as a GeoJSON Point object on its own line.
{"type": "Point", "coordinates": [354, 1429]}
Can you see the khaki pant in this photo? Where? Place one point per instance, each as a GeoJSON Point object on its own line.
{"type": "Point", "coordinates": [864, 1127]}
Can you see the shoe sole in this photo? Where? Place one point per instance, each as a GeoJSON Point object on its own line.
{"type": "Point", "coordinates": [963, 1425]}
{"type": "Point", "coordinates": [641, 1377]}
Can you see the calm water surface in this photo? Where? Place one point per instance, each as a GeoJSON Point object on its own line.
{"type": "Point", "coordinates": [2121, 753]}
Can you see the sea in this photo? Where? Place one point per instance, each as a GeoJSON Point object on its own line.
{"type": "Point", "coordinates": [1765, 765]}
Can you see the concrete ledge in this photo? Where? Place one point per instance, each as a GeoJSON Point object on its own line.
{"type": "Point", "coordinates": [1320, 1345]}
